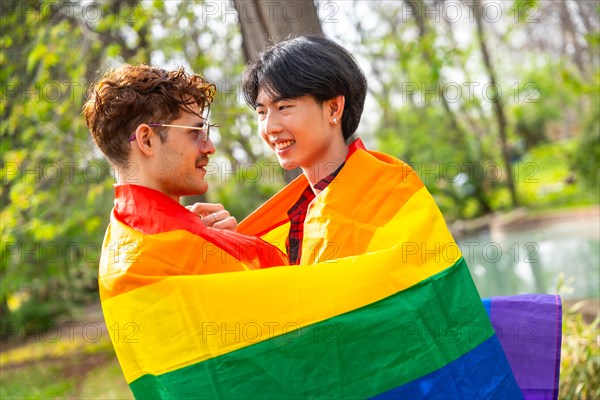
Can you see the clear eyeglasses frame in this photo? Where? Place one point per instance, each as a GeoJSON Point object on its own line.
{"type": "Point", "coordinates": [203, 131]}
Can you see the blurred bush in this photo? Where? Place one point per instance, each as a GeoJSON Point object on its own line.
{"type": "Point", "coordinates": [580, 359]}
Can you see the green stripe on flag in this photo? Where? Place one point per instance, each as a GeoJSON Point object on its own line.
{"type": "Point", "coordinates": [357, 354]}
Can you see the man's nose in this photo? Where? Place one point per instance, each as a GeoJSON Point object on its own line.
{"type": "Point", "coordinates": [207, 147]}
{"type": "Point", "coordinates": [272, 124]}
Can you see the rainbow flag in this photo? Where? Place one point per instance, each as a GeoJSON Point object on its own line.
{"type": "Point", "coordinates": [388, 309]}
{"type": "Point", "coordinates": [529, 327]}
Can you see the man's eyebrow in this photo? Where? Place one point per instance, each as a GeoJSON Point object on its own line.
{"type": "Point", "coordinates": [273, 100]}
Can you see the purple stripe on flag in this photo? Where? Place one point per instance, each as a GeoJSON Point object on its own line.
{"type": "Point", "coordinates": [529, 328]}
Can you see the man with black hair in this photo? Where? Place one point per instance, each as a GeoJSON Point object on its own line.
{"type": "Point", "coordinates": [309, 95]}
{"type": "Point", "coordinates": [370, 218]}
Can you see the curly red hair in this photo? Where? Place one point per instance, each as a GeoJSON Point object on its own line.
{"type": "Point", "coordinates": [128, 95]}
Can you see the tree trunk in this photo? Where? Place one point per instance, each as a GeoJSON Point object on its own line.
{"type": "Point", "coordinates": [571, 35]}
{"type": "Point", "coordinates": [264, 21]}
{"type": "Point", "coordinates": [497, 101]}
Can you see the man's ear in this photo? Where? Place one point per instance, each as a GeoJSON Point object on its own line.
{"type": "Point", "coordinates": [336, 109]}
{"type": "Point", "coordinates": [145, 139]}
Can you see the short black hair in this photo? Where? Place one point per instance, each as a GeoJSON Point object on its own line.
{"type": "Point", "coordinates": [309, 65]}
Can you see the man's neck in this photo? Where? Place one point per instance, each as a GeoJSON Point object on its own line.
{"type": "Point", "coordinates": [127, 177]}
{"type": "Point", "coordinates": [321, 170]}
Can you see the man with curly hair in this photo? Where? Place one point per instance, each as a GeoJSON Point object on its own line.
{"type": "Point", "coordinates": [149, 124]}
{"type": "Point", "coordinates": [152, 125]}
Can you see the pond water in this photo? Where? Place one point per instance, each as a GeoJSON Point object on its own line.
{"type": "Point", "coordinates": [531, 259]}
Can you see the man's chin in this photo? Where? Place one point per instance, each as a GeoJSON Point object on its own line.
{"type": "Point", "coordinates": [197, 191]}
{"type": "Point", "coordinates": [288, 165]}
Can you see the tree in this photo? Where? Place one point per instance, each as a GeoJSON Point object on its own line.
{"type": "Point", "coordinates": [496, 99]}
{"type": "Point", "coordinates": [55, 196]}
{"type": "Point", "coordinates": [263, 21]}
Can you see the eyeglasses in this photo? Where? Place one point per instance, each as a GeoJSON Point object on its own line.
{"type": "Point", "coordinates": [202, 132]}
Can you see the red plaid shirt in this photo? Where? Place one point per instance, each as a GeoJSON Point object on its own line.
{"type": "Point", "coordinates": [297, 215]}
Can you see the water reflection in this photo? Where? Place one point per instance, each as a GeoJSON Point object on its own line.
{"type": "Point", "coordinates": [530, 259]}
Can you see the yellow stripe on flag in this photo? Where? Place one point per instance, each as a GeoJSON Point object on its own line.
{"type": "Point", "coordinates": [407, 225]}
{"type": "Point", "coordinates": [278, 236]}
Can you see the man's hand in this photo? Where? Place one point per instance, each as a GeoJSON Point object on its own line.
{"type": "Point", "coordinates": [214, 216]}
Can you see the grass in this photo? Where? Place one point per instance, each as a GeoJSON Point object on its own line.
{"type": "Point", "coordinates": [72, 378]}
{"type": "Point", "coordinates": [70, 368]}
{"type": "Point", "coordinates": [81, 377]}
{"type": "Point", "coordinates": [95, 384]}
{"type": "Point", "coordinates": [35, 381]}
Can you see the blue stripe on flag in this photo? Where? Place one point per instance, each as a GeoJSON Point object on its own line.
{"type": "Point", "coordinates": [487, 304]}
{"type": "Point", "coordinates": [482, 373]}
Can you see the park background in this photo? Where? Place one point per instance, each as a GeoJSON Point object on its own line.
{"type": "Point", "coordinates": [495, 104]}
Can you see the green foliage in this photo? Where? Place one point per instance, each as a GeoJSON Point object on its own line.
{"type": "Point", "coordinates": [522, 9]}
{"type": "Point", "coordinates": [544, 179]}
{"type": "Point", "coordinates": [580, 348]}
{"type": "Point", "coordinates": [437, 109]}
{"type": "Point", "coordinates": [56, 192]}
{"type": "Point", "coordinates": [32, 316]}
{"type": "Point", "coordinates": [586, 158]}
{"type": "Point", "coordinates": [545, 94]}
{"type": "Point", "coordinates": [580, 358]}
